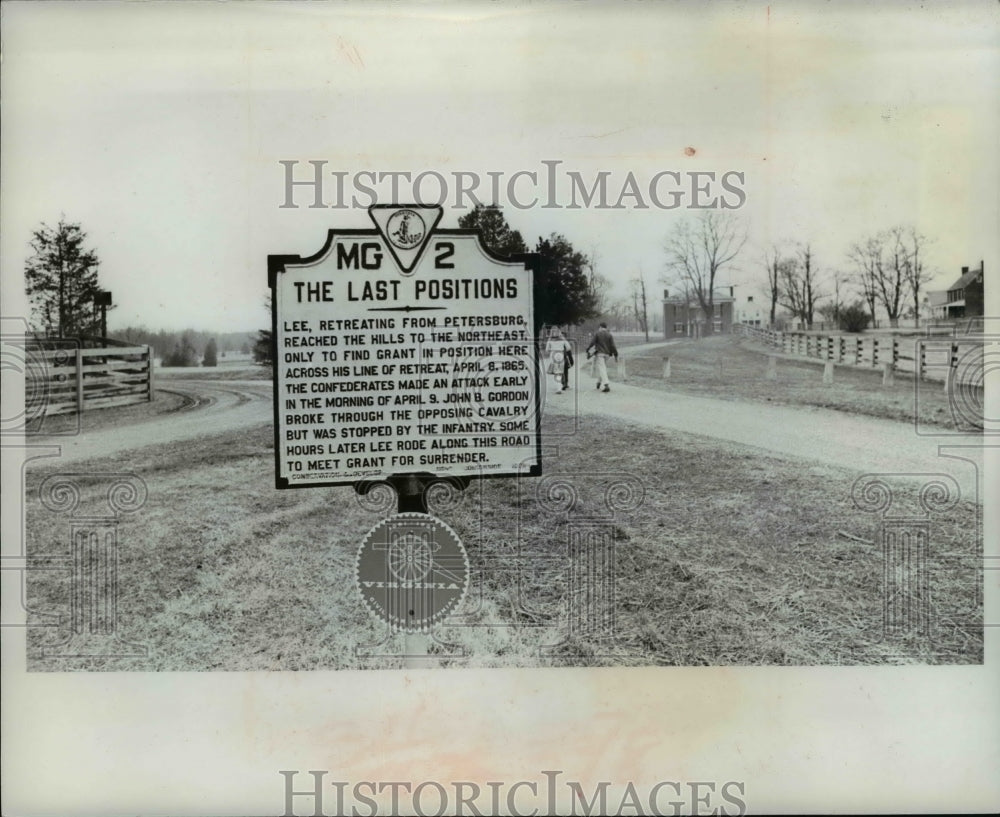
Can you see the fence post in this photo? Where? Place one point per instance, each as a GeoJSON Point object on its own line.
{"type": "Point", "coordinates": [772, 367]}
{"type": "Point", "coordinates": [875, 352]}
{"type": "Point", "coordinates": [149, 358]}
{"type": "Point", "coordinates": [666, 367]}
{"type": "Point", "coordinates": [952, 364]}
{"type": "Point", "coordinates": [887, 374]}
{"type": "Point", "coordinates": [828, 373]}
{"type": "Point", "coordinates": [621, 369]}
{"type": "Point", "coordinates": [922, 362]}
{"type": "Point", "coordinates": [79, 381]}
{"type": "Point", "coordinates": [857, 350]}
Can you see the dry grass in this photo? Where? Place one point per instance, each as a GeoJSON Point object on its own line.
{"type": "Point", "coordinates": [239, 372]}
{"type": "Point", "coordinates": [731, 558]}
{"type": "Point", "coordinates": [165, 401]}
{"type": "Point", "coordinates": [732, 368]}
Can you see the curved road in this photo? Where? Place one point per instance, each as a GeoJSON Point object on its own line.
{"type": "Point", "coordinates": [211, 407]}
{"type": "Point", "coordinates": [862, 444]}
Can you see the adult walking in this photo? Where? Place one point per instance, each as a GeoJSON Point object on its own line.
{"type": "Point", "coordinates": [602, 345]}
{"type": "Point", "coordinates": [560, 355]}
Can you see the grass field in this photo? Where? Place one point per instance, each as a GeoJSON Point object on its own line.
{"type": "Point", "coordinates": [732, 368]}
{"type": "Point", "coordinates": [730, 558]}
{"type": "Point", "coordinates": [243, 371]}
{"type": "Point", "coordinates": [165, 402]}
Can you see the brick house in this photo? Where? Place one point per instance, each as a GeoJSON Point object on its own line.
{"type": "Point", "coordinates": [684, 317]}
{"type": "Point", "coordinates": [965, 296]}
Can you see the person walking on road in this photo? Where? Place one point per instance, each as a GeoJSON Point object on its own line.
{"type": "Point", "coordinates": [560, 354]}
{"type": "Point", "coordinates": [602, 345]}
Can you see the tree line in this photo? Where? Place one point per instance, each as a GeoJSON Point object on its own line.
{"type": "Point", "coordinates": [885, 270]}
{"type": "Point", "coordinates": [189, 347]}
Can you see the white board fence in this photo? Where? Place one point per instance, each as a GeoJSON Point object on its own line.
{"type": "Point", "coordinates": [929, 358]}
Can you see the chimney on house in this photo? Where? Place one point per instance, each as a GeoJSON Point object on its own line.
{"type": "Point", "coordinates": [666, 293]}
{"type": "Point", "coordinates": [964, 270]}
{"type": "Point", "coordinates": [732, 294]}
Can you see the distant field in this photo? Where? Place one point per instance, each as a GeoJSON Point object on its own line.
{"type": "Point", "coordinates": [730, 557]}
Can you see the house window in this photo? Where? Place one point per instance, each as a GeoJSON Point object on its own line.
{"type": "Point", "coordinates": [679, 329]}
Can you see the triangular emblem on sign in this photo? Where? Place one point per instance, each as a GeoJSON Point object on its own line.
{"type": "Point", "coordinates": [405, 229]}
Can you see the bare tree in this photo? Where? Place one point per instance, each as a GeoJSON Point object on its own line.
{"type": "Point", "coordinates": [867, 259]}
{"type": "Point", "coordinates": [640, 307]}
{"type": "Point", "coordinates": [697, 251]}
{"type": "Point", "coordinates": [831, 311]}
{"type": "Point", "coordinates": [915, 273]}
{"type": "Point", "coordinates": [620, 314]}
{"type": "Point", "coordinates": [892, 282]}
{"type": "Point", "coordinates": [772, 263]}
{"type": "Point", "coordinates": [799, 292]}
{"type": "Point", "coordinates": [889, 266]}
{"type": "Point", "coordinates": [599, 284]}
{"type": "Point", "coordinates": [839, 288]}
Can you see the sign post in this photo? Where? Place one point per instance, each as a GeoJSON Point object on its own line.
{"type": "Point", "coordinates": [404, 354]}
{"type": "Point", "coordinates": [102, 299]}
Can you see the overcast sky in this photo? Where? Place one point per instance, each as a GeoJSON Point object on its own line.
{"type": "Point", "coordinates": [159, 127]}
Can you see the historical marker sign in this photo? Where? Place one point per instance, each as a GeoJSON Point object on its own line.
{"type": "Point", "coordinates": [403, 350]}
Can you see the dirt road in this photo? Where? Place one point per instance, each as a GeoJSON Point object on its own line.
{"type": "Point", "coordinates": [820, 436]}
{"type": "Point", "coordinates": [864, 444]}
{"type": "Point", "coordinates": [212, 407]}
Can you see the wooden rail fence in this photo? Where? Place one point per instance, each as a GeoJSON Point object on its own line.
{"type": "Point", "coordinates": [929, 358]}
{"type": "Point", "coordinates": [74, 379]}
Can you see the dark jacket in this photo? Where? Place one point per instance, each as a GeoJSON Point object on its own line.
{"type": "Point", "coordinates": [603, 343]}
